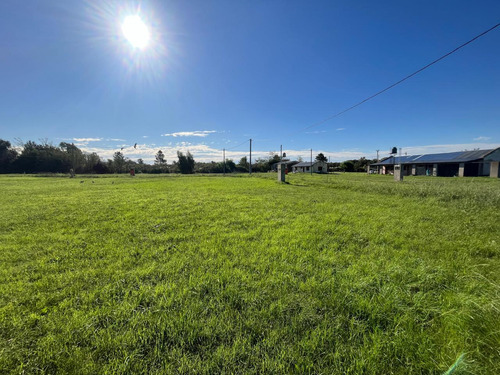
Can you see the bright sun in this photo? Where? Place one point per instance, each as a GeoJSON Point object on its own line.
{"type": "Point", "coordinates": [136, 31]}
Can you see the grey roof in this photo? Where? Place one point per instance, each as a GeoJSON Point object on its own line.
{"type": "Point", "coordinates": [287, 163]}
{"type": "Point", "coordinates": [448, 157]}
{"type": "Point", "coordinates": [306, 163]}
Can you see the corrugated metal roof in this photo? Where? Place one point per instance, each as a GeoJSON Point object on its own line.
{"type": "Point", "coordinates": [305, 164]}
{"type": "Point", "coordinates": [448, 157]}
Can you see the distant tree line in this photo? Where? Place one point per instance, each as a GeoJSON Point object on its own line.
{"type": "Point", "coordinates": [43, 157]}
{"type": "Point", "coordinates": [354, 165]}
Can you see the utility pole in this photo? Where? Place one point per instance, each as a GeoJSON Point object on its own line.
{"type": "Point", "coordinates": [224, 159]}
{"type": "Point", "coordinates": [250, 165]}
{"type": "Point", "coordinates": [281, 152]}
{"type": "Point", "coordinates": [328, 170]}
{"type": "Point", "coordinates": [400, 163]}
{"type": "Point", "coordinates": [311, 161]}
{"type": "Point", "coordinates": [377, 156]}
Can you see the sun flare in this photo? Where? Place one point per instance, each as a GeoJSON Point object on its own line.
{"type": "Point", "coordinates": [136, 31]}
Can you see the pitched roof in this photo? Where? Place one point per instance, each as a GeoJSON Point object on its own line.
{"type": "Point", "coordinates": [306, 163]}
{"type": "Point", "coordinates": [448, 157]}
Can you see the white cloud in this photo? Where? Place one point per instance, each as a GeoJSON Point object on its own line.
{"type": "Point", "coordinates": [197, 133]}
{"type": "Point", "coordinates": [207, 153]}
{"type": "Point", "coordinates": [116, 139]}
{"type": "Point", "coordinates": [481, 138]}
{"type": "Point", "coordinates": [87, 139]}
{"type": "Point", "coordinates": [340, 129]}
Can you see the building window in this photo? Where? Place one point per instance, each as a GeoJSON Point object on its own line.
{"type": "Point", "coordinates": [320, 169]}
{"type": "Point", "coordinates": [307, 168]}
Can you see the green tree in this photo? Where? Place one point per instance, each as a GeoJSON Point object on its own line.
{"type": "Point", "coordinates": [42, 157]}
{"type": "Point", "coordinates": [160, 158]}
{"type": "Point", "coordinates": [185, 163]}
{"type": "Point", "coordinates": [91, 162]}
{"type": "Point", "coordinates": [160, 163]}
{"type": "Point", "coordinates": [119, 162]}
{"type": "Point", "coordinates": [361, 164]}
{"type": "Point", "coordinates": [321, 157]}
{"type": "Point", "coordinates": [347, 166]}
{"type": "Point", "coordinates": [230, 166]}
{"type": "Point", "coordinates": [243, 164]}
{"type": "Point", "coordinates": [7, 156]}
{"type": "Point", "coordinates": [75, 156]}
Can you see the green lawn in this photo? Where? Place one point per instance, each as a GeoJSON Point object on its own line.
{"type": "Point", "coordinates": [338, 274]}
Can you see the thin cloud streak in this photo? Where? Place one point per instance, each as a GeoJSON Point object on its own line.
{"type": "Point", "coordinates": [87, 139]}
{"type": "Point", "coordinates": [481, 138]}
{"type": "Point", "coordinates": [316, 132]}
{"type": "Point", "coordinates": [197, 133]}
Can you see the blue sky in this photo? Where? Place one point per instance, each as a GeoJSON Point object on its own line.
{"type": "Point", "coordinates": [217, 73]}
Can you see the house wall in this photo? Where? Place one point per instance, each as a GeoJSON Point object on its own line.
{"type": "Point", "coordinates": [316, 167]}
{"type": "Point", "coordinates": [486, 169]}
{"type": "Point", "coordinates": [407, 169]}
{"type": "Point", "coordinates": [420, 170]}
{"type": "Point", "coordinates": [494, 169]}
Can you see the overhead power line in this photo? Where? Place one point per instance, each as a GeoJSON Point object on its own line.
{"type": "Point", "coordinates": [238, 145]}
{"type": "Point", "coordinates": [400, 81]}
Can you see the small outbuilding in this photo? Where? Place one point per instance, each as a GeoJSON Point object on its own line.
{"type": "Point", "coordinates": [462, 164]}
{"type": "Point", "coordinates": [316, 166]}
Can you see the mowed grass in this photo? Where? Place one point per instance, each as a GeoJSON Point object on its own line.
{"type": "Point", "coordinates": [338, 274]}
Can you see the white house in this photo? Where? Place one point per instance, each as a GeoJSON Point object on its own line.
{"type": "Point", "coordinates": [317, 167]}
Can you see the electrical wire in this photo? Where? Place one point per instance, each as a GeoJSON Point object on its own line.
{"type": "Point", "coordinates": [232, 148]}
{"type": "Point", "coordinates": [398, 82]}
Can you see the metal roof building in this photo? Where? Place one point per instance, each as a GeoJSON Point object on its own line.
{"type": "Point", "coordinates": [305, 166]}
{"type": "Point", "coordinates": [461, 163]}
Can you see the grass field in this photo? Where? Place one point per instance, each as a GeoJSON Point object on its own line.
{"type": "Point", "coordinates": [338, 274]}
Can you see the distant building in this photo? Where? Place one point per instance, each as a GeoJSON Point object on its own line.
{"type": "Point", "coordinates": [288, 165]}
{"type": "Point", "coordinates": [462, 164]}
{"type": "Point", "coordinates": [317, 167]}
